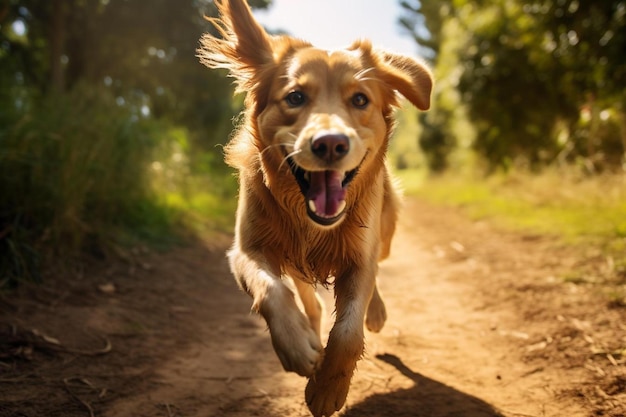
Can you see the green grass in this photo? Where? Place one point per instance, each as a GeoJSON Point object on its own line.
{"type": "Point", "coordinates": [587, 212]}
{"type": "Point", "coordinates": [549, 203]}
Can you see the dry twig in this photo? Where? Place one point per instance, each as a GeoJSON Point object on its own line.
{"type": "Point", "coordinates": [85, 404]}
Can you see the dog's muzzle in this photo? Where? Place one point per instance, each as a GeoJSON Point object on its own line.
{"type": "Point", "coordinates": [324, 192]}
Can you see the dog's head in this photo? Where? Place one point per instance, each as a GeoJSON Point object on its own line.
{"type": "Point", "coordinates": [325, 115]}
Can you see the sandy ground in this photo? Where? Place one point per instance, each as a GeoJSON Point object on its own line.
{"type": "Point", "coordinates": [481, 323]}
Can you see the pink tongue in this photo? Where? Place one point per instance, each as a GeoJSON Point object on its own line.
{"type": "Point", "coordinates": [326, 192]}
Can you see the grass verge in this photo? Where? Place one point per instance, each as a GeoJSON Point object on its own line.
{"type": "Point", "coordinates": [588, 212]}
{"type": "Point", "coordinates": [548, 204]}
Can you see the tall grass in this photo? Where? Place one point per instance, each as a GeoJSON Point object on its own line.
{"type": "Point", "coordinates": [74, 170]}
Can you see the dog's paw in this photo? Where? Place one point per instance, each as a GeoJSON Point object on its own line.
{"type": "Point", "coordinates": [297, 345]}
{"type": "Point", "coordinates": [324, 396]}
{"type": "Point", "coordinates": [376, 314]}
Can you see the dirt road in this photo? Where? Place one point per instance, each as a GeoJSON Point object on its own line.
{"type": "Point", "coordinates": [481, 323]}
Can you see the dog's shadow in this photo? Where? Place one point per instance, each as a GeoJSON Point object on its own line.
{"type": "Point", "coordinates": [426, 398]}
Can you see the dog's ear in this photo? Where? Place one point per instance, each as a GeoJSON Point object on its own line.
{"type": "Point", "coordinates": [408, 76]}
{"type": "Point", "coordinates": [244, 47]}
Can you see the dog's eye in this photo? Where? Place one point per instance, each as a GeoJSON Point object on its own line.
{"type": "Point", "coordinates": [360, 100]}
{"type": "Point", "coordinates": [295, 99]}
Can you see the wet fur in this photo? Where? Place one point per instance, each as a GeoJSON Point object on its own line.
{"type": "Point", "coordinates": [274, 237]}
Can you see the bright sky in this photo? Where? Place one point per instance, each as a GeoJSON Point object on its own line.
{"type": "Point", "coordinates": [335, 24]}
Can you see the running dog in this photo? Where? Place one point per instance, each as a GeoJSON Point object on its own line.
{"type": "Point", "coordinates": [317, 202]}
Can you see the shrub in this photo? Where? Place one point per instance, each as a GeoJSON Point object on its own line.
{"type": "Point", "coordinates": [73, 168]}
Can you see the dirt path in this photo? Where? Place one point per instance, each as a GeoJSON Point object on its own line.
{"type": "Point", "coordinates": [480, 324]}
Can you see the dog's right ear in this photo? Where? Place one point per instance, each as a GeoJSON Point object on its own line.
{"type": "Point", "coordinates": [244, 48]}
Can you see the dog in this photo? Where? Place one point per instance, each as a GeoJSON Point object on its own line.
{"type": "Point", "coordinates": [317, 202]}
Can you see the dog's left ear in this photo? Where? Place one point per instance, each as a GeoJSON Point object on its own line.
{"type": "Point", "coordinates": [408, 76]}
{"type": "Point", "coordinates": [244, 48]}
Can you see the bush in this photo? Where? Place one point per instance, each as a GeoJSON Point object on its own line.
{"type": "Point", "coordinates": [73, 168]}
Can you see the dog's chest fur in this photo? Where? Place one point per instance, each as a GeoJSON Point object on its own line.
{"type": "Point", "coordinates": [310, 254]}
{"type": "Point", "coordinates": [295, 247]}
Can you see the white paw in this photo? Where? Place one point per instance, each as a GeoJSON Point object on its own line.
{"type": "Point", "coordinates": [297, 345]}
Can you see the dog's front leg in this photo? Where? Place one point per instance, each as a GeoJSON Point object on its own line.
{"type": "Point", "coordinates": [296, 343]}
{"type": "Point", "coordinates": [327, 390]}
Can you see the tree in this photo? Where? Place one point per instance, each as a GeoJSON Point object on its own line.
{"type": "Point", "coordinates": [94, 94]}
{"type": "Point", "coordinates": [143, 51]}
{"type": "Point", "coordinates": [542, 80]}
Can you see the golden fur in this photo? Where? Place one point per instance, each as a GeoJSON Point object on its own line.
{"type": "Point", "coordinates": [316, 203]}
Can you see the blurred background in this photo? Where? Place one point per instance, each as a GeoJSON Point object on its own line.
{"type": "Point", "coordinates": [111, 130]}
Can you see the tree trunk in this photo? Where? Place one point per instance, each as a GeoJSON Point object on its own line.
{"type": "Point", "coordinates": [57, 44]}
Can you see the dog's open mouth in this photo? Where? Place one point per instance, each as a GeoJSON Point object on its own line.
{"type": "Point", "coordinates": [324, 192]}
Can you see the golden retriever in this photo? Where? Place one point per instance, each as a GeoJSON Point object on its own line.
{"type": "Point", "coordinates": [316, 200]}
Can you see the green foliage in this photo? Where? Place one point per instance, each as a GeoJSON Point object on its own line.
{"type": "Point", "coordinates": [541, 81]}
{"type": "Point", "coordinates": [72, 167]}
{"type": "Point", "coordinates": [206, 205]}
{"type": "Point", "coordinates": [435, 141]}
{"type": "Point", "coordinates": [404, 152]}
{"type": "Point", "coordinates": [108, 129]}
{"type": "Point", "coordinates": [18, 259]}
{"type": "Point", "coordinates": [80, 173]}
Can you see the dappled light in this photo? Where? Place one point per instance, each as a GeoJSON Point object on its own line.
{"type": "Point", "coordinates": [541, 82]}
{"type": "Point", "coordinates": [109, 126]}
{"type": "Point", "coordinates": [506, 283]}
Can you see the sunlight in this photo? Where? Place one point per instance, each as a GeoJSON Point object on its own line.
{"type": "Point", "coordinates": [333, 25]}
{"type": "Point", "coordinates": [19, 27]}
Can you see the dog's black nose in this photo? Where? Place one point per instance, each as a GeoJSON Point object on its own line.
{"type": "Point", "coordinates": [330, 147]}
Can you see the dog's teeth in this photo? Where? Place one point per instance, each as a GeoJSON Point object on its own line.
{"type": "Point", "coordinates": [342, 206]}
{"type": "Point", "coordinates": [307, 176]}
